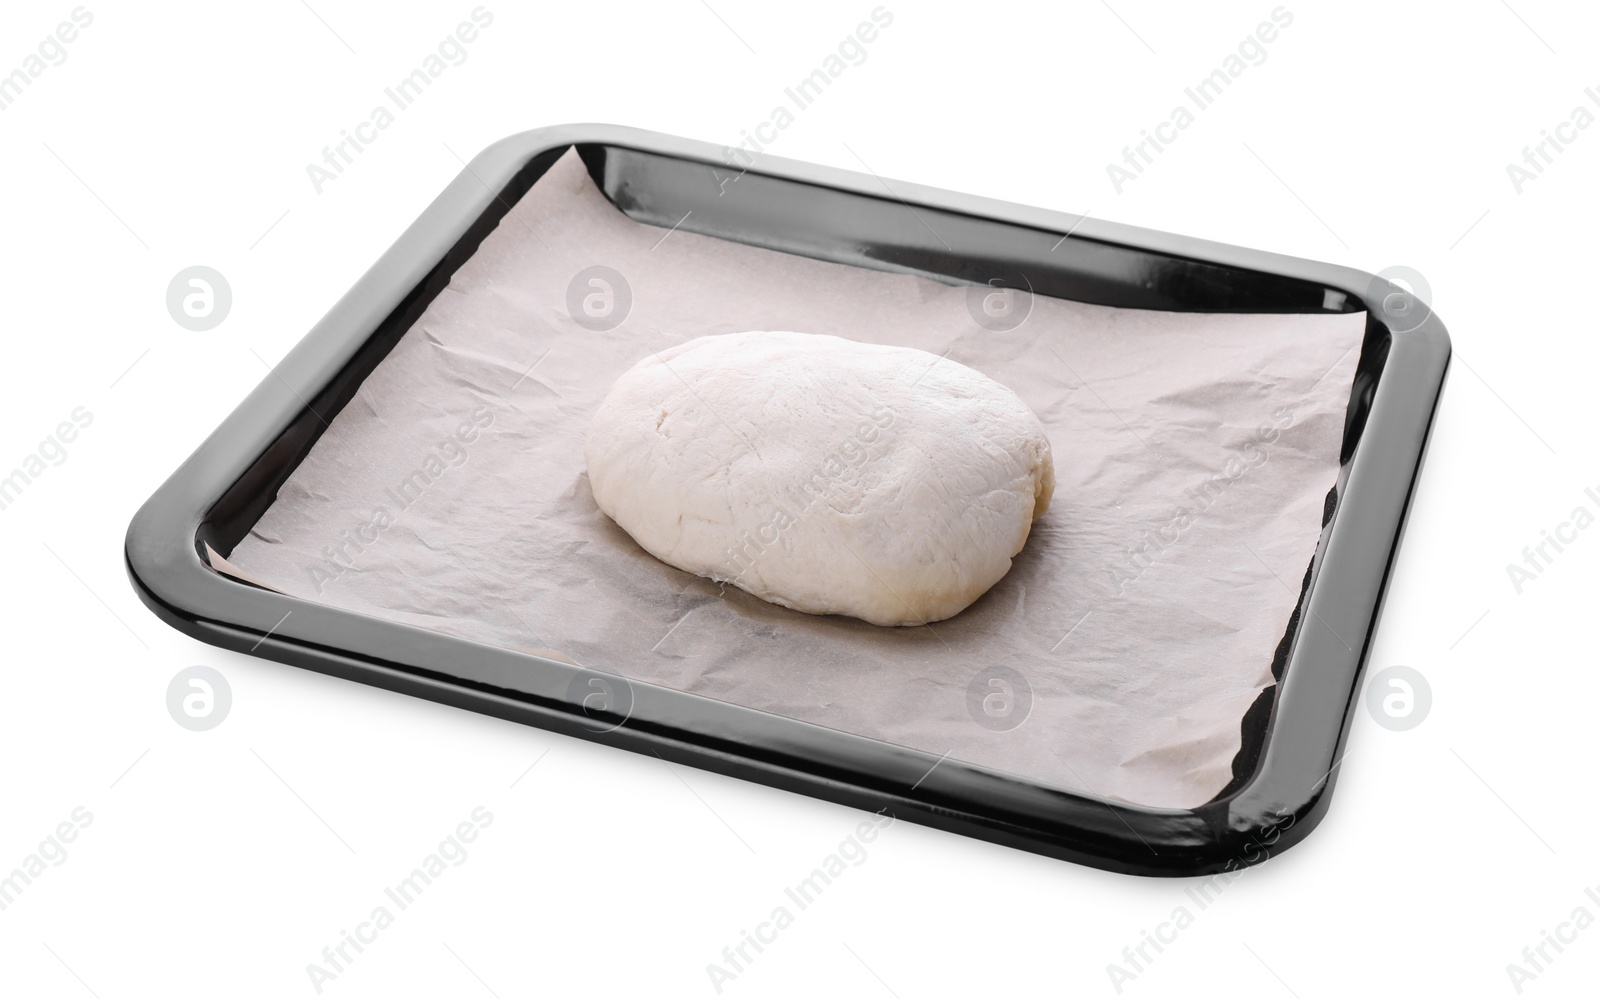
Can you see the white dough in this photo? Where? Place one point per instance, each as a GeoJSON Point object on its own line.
{"type": "Point", "coordinates": [822, 474]}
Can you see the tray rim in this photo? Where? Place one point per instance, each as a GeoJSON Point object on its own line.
{"type": "Point", "coordinates": [1284, 798]}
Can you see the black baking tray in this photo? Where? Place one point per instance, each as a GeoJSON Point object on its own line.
{"type": "Point", "coordinates": [1293, 736]}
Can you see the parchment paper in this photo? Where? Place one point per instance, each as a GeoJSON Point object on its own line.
{"type": "Point", "coordinates": [455, 483]}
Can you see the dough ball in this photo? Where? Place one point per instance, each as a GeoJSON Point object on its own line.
{"type": "Point", "coordinates": [825, 475]}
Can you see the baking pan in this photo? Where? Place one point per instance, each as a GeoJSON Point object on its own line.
{"type": "Point", "coordinates": [1291, 738]}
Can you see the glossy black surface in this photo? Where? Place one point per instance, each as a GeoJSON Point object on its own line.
{"type": "Point", "coordinates": [1292, 738]}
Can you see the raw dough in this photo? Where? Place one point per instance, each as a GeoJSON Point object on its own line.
{"type": "Point", "coordinates": [822, 474]}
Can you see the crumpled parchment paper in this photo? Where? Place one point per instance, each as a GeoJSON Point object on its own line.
{"type": "Point", "coordinates": [1193, 456]}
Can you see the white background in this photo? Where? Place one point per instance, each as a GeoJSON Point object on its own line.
{"type": "Point", "coordinates": [222, 862]}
